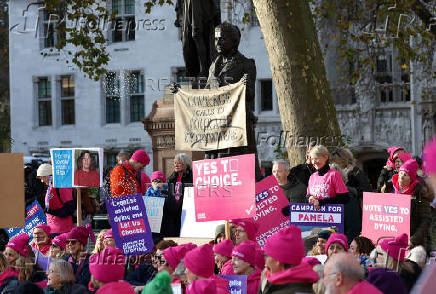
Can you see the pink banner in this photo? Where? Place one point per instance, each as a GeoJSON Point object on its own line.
{"type": "Point", "coordinates": [385, 215]}
{"type": "Point", "coordinates": [224, 188]}
{"type": "Point", "coordinates": [270, 200]}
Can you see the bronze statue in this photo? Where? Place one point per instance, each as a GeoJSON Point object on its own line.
{"type": "Point", "coordinates": [197, 20]}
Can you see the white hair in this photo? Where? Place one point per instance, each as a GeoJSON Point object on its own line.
{"type": "Point", "coordinates": [281, 161]}
{"type": "Point", "coordinates": [418, 255]}
{"type": "Point", "coordinates": [184, 158]}
{"type": "Point", "coordinates": [64, 269]}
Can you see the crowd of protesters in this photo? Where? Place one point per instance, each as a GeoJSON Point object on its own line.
{"type": "Point", "coordinates": [286, 264]}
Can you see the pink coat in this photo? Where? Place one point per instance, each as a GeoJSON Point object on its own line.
{"type": "Point", "coordinates": [363, 288]}
{"type": "Point", "coordinates": [59, 224]}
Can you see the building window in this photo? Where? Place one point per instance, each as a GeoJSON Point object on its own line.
{"type": "Point", "coordinates": [112, 92]}
{"type": "Point", "coordinates": [52, 28]}
{"type": "Point", "coordinates": [67, 100]}
{"type": "Point", "coordinates": [266, 95]}
{"type": "Point", "coordinates": [392, 78]}
{"type": "Point", "coordinates": [136, 87]}
{"type": "Point", "coordinates": [44, 102]}
{"type": "Point", "coordinates": [124, 25]}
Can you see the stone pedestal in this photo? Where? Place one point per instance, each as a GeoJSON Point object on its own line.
{"type": "Point", "coordinates": [160, 126]}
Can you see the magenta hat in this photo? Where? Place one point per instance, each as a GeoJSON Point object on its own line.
{"type": "Point", "coordinates": [429, 157]}
{"type": "Point", "coordinates": [260, 259]}
{"type": "Point", "coordinates": [173, 255]}
{"type": "Point", "coordinates": [310, 260]}
{"type": "Point", "coordinates": [392, 150]}
{"type": "Point", "coordinates": [404, 156]}
{"type": "Point", "coordinates": [224, 248]}
{"type": "Point", "coordinates": [189, 246]}
{"type": "Point", "coordinates": [141, 156]}
{"type": "Point", "coordinates": [202, 287]}
{"type": "Point", "coordinates": [337, 238]}
{"type": "Point", "coordinates": [119, 287]}
{"type": "Point", "coordinates": [158, 175]}
{"type": "Point", "coordinates": [245, 251]}
{"type": "Point", "coordinates": [45, 228]}
{"type": "Point", "coordinates": [81, 234]}
{"type": "Point", "coordinates": [410, 167]}
{"type": "Point", "coordinates": [108, 265]}
{"type": "Point", "coordinates": [20, 243]}
{"type": "Point", "coordinates": [286, 246]}
{"type": "Point", "coordinates": [108, 234]}
{"type": "Point", "coordinates": [60, 240]}
{"type": "Point", "coordinates": [201, 261]}
{"type": "Point", "coordinates": [249, 227]}
{"type": "Point", "coordinates": [395, 247]}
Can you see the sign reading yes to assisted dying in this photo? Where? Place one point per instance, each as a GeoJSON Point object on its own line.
{"type": "Point", "coordinates": [385, 214]}
{"type": "Point", "coordinates": [303, 214]}
{"type": "Point", "coordinates": [225, 183]}
{"type": "Point", "coordinates": [129, 222]}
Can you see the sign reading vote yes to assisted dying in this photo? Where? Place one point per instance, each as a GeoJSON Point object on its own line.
{"type": "Point", "coordinates": [227, 183]}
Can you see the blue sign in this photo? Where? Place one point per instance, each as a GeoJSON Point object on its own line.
{"type": "Point", "coordinates": [62, 161]}
{"type": "Point", "coordinates": [237, 284]}
{"type": "Point", "coordinates": [34, 216]}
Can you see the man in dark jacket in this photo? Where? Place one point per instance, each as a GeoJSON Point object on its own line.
{"type": "Point", "coordinates": [294, 190]}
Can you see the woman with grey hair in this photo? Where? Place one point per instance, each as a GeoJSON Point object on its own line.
{"type": "Point", "coordinates": [177, 181]}
{"type": "Point", "coordinates": [61, 279]}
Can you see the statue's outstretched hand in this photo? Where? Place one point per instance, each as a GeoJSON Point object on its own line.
{"type": "Point", "coordinates": [174, 87]}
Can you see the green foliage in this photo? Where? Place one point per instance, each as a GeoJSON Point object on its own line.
{"type": "Point", "coordinates": [150, 3]}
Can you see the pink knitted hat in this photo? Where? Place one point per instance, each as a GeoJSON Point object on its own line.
{"type": "Point", "coordinates": [81, 234]}
{"type": "Point", "coordinates": [108, 234]}
{"type": "Point", "coordinates": [337, 238]}
{"type": "Point", "coordinates": [249, 227]}
{"type": "Point", "coordinates": [120, 287]}
{"type": "Point", "coordinates": [45, 228]}
{"type": "Point", "coordinates": [189, 246]}
{"type": "Point", "coordinates": [260, 259]}
{"type": "Point", "coordinates": [60, 241]}
{"type": "Point", "coordinates": [158, 175]}
{"type": "Point", "coordinates": [108, 265]}
{"type": "Point", "coordinates": [310, 260]}
{"type": "Point", "coordinates": [395, 247]}
{"type": "Point", "coordinates": [392, 150]}
{"type": "Point", "coordinates": [410, 167]}
{"type": "Point", "coordinates": [141, 156]}
{"type": "Point", "coordinates": [20, 244]}
{"type": "Point", "coordinates": [173, 255]}
{"type": "Point", "coordinates": [224, 248]}
{"type": "Point", "coordinates": [201, 261]}
{"type": "Point", "coordinates": [430, 157]}
{"type": "Point", "coordinates": [245, 251]}
{"type": "Point", "coordinates": [286, 246]}
{"type": "Point", "coordinates": [404, 156]}
{"type": "Point", "coordinates": [202, 287]}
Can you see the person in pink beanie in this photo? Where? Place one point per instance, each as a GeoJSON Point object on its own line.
{"type": "Point", "coordinates": [223, 256]}
{"type": "Point", "coordinates": [77, 239]}
{"type": "Point", "coordinates": [389, 170]}
{"type": "Point", "coordinates": [284, 251]}
{"type": "Point", "coordinates": [405, 182]}
{"type": "Point", "coordinates": [106, 267]}
{"type": "Point", "coordinates": [158, 187]}
{"type": "Point", "coordinates": [244, 229]}
{"type": "Point", "coordinates": [202, 287]}
{"type": "Point", "coordinates": [58, 246]}
{"type": "Point", "coordinates": [173, 256]}
{"type": "Point", "coordinates": [120, 287]}
{"type": "Point", "coordinates": [336, 243]}
{"type": "Point", "coordinates": [199, 263]}
{"type": "Point", "coordinates": [108, 239]}
{"type": "Point", "coordinates": [244, 263]}
{"type": "Point", "coordinates": [41, 238]}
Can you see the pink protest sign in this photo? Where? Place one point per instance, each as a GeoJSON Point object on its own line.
{"type": "Point", "coordinates": [385, 215]}
{"type": "Point", "coordinates": [224, 188]}
{"type": "Point", "coordinates": [270, 200]}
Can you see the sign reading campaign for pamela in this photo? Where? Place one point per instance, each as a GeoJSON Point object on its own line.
{"type": "Point", "coordinates": [128, 218]}
{"type": "Point", "coordinates": [237, 284]}
{"type": "Point", "coordinates": [304, 214]}
{"type": "Point", "coordinates": [34, 216]}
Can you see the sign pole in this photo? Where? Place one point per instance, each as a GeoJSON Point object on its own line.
{"type": "Point", "coordinates": [79, 206]}
{"type": "Point", "coordinates": [227, 227]}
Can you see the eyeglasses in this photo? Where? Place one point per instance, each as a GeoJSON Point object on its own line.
{"type": "Point", "coordinates": [239, 231]}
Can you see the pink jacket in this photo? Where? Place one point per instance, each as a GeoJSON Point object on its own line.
{"type": "Point", "coordinates": [302, 273]}
{"type": "Point", "coordinates": [59, 224]}
{"type": "Point", "coordinates": [253, 282]}
{"type": "Point", "coordinates": [363, 288]}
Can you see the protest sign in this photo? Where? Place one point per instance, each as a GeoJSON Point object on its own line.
{"type": "Point", "coordinates": [177, 288]}
{"type": "Point", "coordinates": [154, 207]}
{"type": "Point", "coordinates": [77, 167]}
{"type": "Point", "coordinates": [210, 119]}
{"type": "Point", "coordinates": [225, 183]}
{"type": "Point", "coordinates": [34, 216]}
{"type": "Point", "coordinates": [385, 215]}
{"type": "Point", "coordinates": [130, 227]}
{"type": "Point", "coordinates": [12, 190]}
{"type": "Point", "coordinates": [237, 284]}
{"type": "Point", "coordinates": [426, 283]}
{"type": "Point", "coordinates": [270, 200]}
{"type": "Point", "coordinates": [190, 228]}
{"type": "Point", "coordinates": [304, 214]}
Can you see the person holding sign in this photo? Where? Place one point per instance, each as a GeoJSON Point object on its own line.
{"type": "Point", "coordinates": [326, 185]}
{"type": "Point", "coordinates": [406, 182]}
{"type": "Point", "coordinates": [286, 273]}
{"type": "Point", "coordinates": [244, 263]}
{"type": "Point", "coordinates": [59, 204]}
{"type": "Point", "coordinates": [87, 174]}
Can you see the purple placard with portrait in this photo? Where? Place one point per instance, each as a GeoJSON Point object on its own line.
{"type": "Point", "coordinates": [237, 284]}
{"type": "Point", "coordinates": [304, 214]}
{"type": "Point", "coordinates": [130, 226]}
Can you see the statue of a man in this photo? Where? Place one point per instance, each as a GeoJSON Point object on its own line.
{"type": "Point", "coordinates": [197, 19]}
{"type": "Point", "coordinates": [228, 68]}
